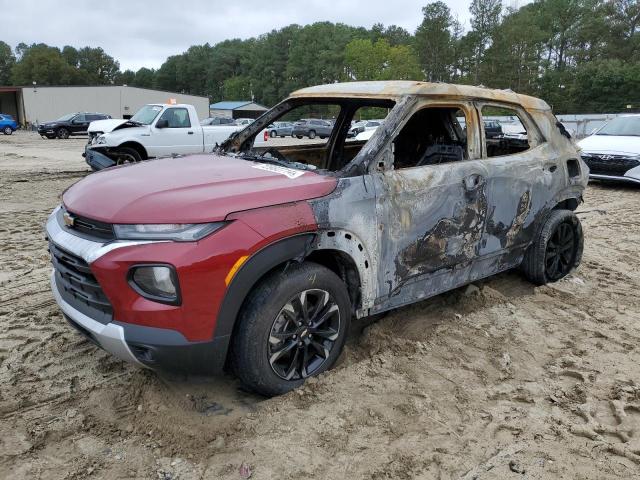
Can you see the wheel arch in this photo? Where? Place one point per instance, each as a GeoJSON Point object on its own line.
{"type": "Point", "coordinates": [337, 250]}
{"type": "Point", "coordinates": [138, 147]}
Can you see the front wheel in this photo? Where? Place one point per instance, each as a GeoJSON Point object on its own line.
{"type": "Point", "coordinates": [556, 250]}
{"type": "Point", "coordinates": [7, 130]}
{"type": "Point", "coordinates": [127, 155]}
{"type": "Point", "coordinates": [62, 133]}
{"type": "Point", "coordinates": [273, 134]}
{"type": "Point", "coordinates": [293, 326]}
{"type": "Point", "coordinates": [312, 134]}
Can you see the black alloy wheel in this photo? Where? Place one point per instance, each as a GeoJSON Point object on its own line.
{"type": "Point", "coordinates": [561, 251]}
{"type": "Point", "coordinates": [63, 133]}
{"type": "Point", "coordinates": [303, 334]}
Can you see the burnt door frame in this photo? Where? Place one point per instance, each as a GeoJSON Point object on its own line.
{"type": "Point", "coordinates": [430, 218]}
{"type": "Point", "coordinates": [521, 190]}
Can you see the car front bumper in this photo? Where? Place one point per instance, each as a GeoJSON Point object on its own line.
{"type": "Point", "coordinates": [110, 337]}
{"type": "Point", "coordinates": [136, 329]}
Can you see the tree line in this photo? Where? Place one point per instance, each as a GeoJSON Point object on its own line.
{"type": "Point", "coordinates": [579, 55]}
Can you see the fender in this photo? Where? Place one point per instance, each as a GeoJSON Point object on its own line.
{"type": "Point", "coordinates": [269, 257]}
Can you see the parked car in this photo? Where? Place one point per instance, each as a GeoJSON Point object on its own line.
{"type": "Point", "coordinates": [362, 126]}
{"type": "Point", "coordinates": [70, 124]}
{"type": "Point", "coordinates": [280, 129]}
{"type": "Point", "coordinates": [613, 151]}
{"type": "Point", "coordinates": [312, 128]}
{"type": "Point", "coordinates": [8, 125]}
{"type": "Point", "coordinates": [156, 130]}
{"type": "Point", "coordinates": [257, 257]}
{"type": "Point", "coordinates": [492, 128]}
{"type": "Point", "coordinates": [217, 121]}
{"type": "Point", "coordinates": [244, 121]}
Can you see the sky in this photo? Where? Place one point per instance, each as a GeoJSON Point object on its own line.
{"type": "Point", "coordinates": [143, 33]}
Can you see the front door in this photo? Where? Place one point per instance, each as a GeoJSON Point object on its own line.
{"type": "Point", "coordinates": [179, 137]}
{"type": "Point", "coordinates": [79, 124]}
{"type": "Point", "coordinates": [431, 205]}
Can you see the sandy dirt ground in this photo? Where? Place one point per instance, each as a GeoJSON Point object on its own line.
{"type": "Point", "coordinates": [498, 380]}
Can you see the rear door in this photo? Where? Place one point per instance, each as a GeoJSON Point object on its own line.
{"type": "Point", "coordinates": [524, 173]}
{"type": "Point", "coordinates": [431, 204]}
{"type": "Point", "coordinates": [180, 137]}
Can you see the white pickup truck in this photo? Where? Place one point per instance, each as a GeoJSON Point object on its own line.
{"type": "Point", "coordinates": [156, 130]}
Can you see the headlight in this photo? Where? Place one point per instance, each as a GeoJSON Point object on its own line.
{"type": "Point", "coordinates": [180, 232]}
{"type": "Point", "coordinates": [156, 282]}
{"type": "Point", "coordinates": [101, 140]}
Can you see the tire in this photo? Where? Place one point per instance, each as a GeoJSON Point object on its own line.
{"type": "Point", "coordinates": [312, 134]}
{"type": "Point", "coordinates": [273, 134]}
{"type": "Point", "coordinates": [127, 155]}
{"type": "Point", "coordinates": [556, 249]}
{"type": "Point", "coordinates": [263, 330]}
{"type": "Point", "coordinates": [62, 133]}
{"type": "Point", "coordinates": [298, 136]}
{"type": "Point", "coordinates": [7, 130]}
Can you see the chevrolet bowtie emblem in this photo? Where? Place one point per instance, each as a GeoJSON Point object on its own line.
{"type": "Point", "coordinates": [69, 219]}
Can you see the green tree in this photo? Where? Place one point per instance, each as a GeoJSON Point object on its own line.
{"type": "Point", "coordinates": [434, 42]}
{"type": "Point", "coordinates": [42, 64]}
{"type": "Point", "coordinates": [485, 17]}
{"type": "Point", "coordinates": [7, 60]}
{"type": "Point", "coordinates": [143, 78]}
{"type": "Point", "coordinates": [100, 68]}
{"type": "Point", "coordinates": [365, 60]}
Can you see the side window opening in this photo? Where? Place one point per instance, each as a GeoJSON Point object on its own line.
{"type": "Point", "coordinates": [176, 117]}
{"type": "Point", "coordinates": [504, 131]}
{"type": "Point", "coordinates": [433, 135]}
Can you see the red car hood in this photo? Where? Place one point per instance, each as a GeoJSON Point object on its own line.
{"type": "Point", "coordinates": [193, 189]}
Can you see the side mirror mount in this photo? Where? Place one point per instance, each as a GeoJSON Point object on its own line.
{"type": "Point", "coordinates": [162, 123]}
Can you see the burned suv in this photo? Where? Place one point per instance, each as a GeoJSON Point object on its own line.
{"type": "Point", "coordinates": [256, 259]}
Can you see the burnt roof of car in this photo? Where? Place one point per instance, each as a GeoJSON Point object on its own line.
{"type": "Point", "coordinates": [398, 88]}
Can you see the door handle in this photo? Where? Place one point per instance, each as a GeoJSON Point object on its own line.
{"type": "Point", "coordinates": [473, 181]}
{"type": "Point", "coordinates": [189, 133]}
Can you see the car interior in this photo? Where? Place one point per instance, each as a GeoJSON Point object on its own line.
{"type": "Point", "coordinates": [514, 140]}
{"type": "Point", "coordinates": [432, 136]}
{"type": "Point", "coordinates": [337, 150]}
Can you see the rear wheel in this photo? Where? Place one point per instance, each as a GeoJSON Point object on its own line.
{"type": "Point", "coordinates": [293, 326]}
{"type": "Point", "coordinates": [556, 250]}
{"type": "Point", "coordinates": [7, 130]}
{"type": "Point", "coordinates": [62, 133]}
{"type": "Point", "coordinates": [127, 155]}
{"type": "Point", "coordinates": [312, 134]}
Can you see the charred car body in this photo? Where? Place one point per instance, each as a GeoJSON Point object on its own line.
{"type": "Point", "coordinates": [257, 258]}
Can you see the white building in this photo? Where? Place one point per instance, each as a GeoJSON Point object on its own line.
{"type": "Point", "coordinates": [35, 104]}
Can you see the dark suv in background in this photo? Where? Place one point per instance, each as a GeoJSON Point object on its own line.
{"type": "Point", "coordinates": [312, 128]}
{"type": "Point", "coordinates": [70, 124]}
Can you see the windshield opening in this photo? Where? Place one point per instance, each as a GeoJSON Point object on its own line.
{"type": "Point", "coordinates": [622, 126]}
{"type": "Point", "coordinates": [66, 117]}
{"type": "Point", "coordinates": [311, 133]}
{"type": "Point", "coordinates": [147, 114]}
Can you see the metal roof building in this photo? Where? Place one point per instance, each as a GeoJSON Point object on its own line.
{"type": "Point", "coordinates": [33, 105]}
{"type": "Point", "coordinates": [237, 109]}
